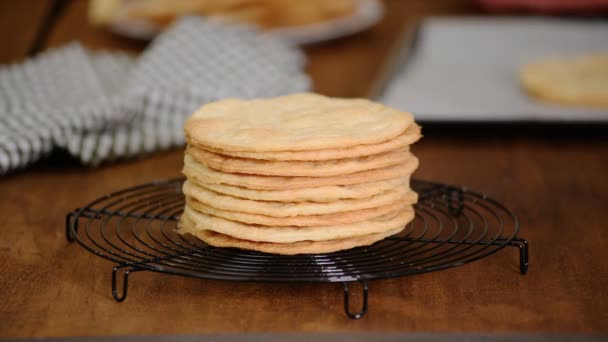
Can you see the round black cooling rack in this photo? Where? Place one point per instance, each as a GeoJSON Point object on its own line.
{"type": "Point", "coordinates": [135, 229]}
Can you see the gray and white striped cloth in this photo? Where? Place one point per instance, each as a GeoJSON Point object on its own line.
{"type": "Point", "coordinates": [101, 106]}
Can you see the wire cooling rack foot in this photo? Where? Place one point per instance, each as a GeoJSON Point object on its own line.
{"type": "Point", "coordinates": [125, 281]}
{"type": "Point", "coordinates": [71, 226]}
{"type": "Point", "coordinates": [347, 308]}
{"type": "Point", "coordinates": [523, 246]}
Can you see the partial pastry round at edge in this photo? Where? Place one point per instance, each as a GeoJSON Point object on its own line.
{"type": "Point", "coordinates": [320, 194]}
{"type": "Point", "coordinates": [326, 168]}
{"type": "Point", "coordinates": [571, 81]}
{"type": "Point", "coordinates": [295, 122]}
{"type": "Point", "coordinates": [410, 136]}
{"type": "Point", "coordinates": [260, 233]}
{"type": "Point", "coordinates": [286, 209]}
{"type": "Point", "coordinates": [198, 171]}
{"type": "Point", "coordinates": [345, 217]}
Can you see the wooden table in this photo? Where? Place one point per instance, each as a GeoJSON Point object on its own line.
{"type": "Point", "coordinates": [557, 184]}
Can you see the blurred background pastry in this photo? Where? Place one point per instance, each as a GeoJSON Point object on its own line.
{"type": "Point", "coordinates": [319, 19]}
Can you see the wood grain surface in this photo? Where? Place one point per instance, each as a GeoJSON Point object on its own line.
{"type": "Point", "coordinates": [556, 184]}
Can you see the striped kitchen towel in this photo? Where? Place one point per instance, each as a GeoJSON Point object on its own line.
{"type": "Point", "coordinates": [102, 106]}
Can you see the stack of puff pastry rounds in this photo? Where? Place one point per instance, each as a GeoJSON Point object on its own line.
{"type": "Point", "coordinates": [298, 174]}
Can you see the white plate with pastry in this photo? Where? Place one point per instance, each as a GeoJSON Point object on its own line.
{"type": "Point", "coordinates": [301, 22]}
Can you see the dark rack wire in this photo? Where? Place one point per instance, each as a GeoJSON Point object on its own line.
{"type": "Point", "coordinates": [135, 228]}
